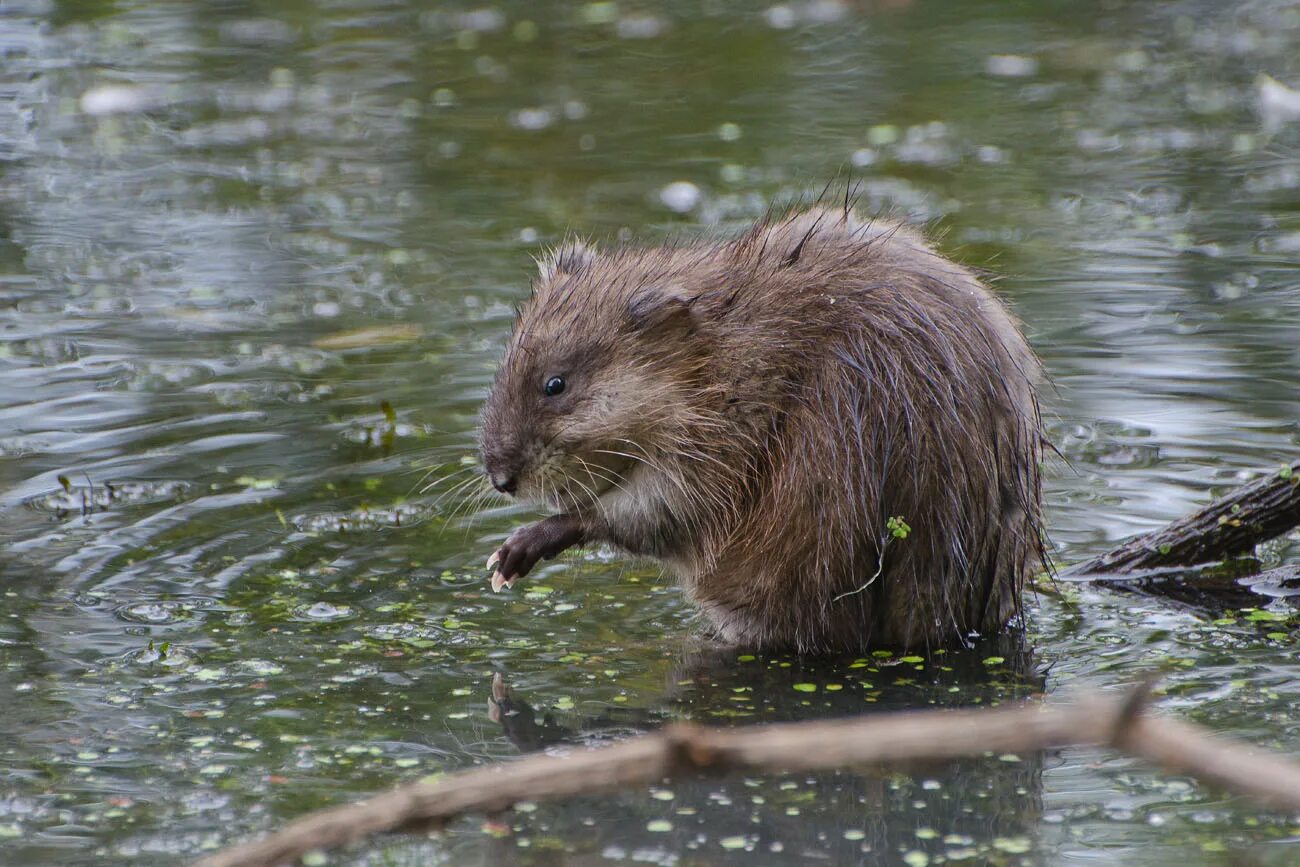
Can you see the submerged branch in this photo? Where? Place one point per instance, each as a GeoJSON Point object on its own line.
{"type": "Point", "coordinates": [886, 739]}
{"type": "Point", "coordinates": [1205, 589]}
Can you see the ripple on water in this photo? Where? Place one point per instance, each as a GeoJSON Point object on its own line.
{"type": "Point", "coordinates": [362, 519]}
{"type": "Point", "coordinates": [77, 498]}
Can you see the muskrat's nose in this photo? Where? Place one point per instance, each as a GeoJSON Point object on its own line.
{"type": "Point", "coordinates": [504, 483]}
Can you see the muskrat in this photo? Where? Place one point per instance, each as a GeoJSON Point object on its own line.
{"type": "Point", "coordinates": [825, 428]}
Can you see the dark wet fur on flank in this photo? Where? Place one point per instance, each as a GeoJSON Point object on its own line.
{"type": "Point", "coordinates": [753, 411]}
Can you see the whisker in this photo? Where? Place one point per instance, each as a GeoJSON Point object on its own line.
{"type": "Point", "coordinates": [605, 475]}
{"type": "Point", "coordinates": [449, 477]}
{"type": "Point", "coordinates": [457, 489]}
{"type": "Point", "coordinates": [430, 471]}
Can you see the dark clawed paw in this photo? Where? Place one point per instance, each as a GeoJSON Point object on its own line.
{"type": "Point", "coordinates": [520, 553]}
{"type": "Point", "coordinates": [525, 546]}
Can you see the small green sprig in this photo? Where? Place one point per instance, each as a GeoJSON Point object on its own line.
{"type": "Point", "coordinates": [897, 527]}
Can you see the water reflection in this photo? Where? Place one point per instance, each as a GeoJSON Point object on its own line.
{"type": "Point", "coordinates": [987, 808]}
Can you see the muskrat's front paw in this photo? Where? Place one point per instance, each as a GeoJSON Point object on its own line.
{"type": "Point", "coordinates": [525, 546]}
{"type": "Point", "coordinates": [516, 558]}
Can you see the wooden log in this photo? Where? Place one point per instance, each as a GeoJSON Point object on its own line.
{"type": "Point", "coordinates": [1227, 527]}
{"type": "Point", "coordinates": [884, 739]}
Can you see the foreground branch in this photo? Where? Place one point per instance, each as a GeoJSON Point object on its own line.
{"type": "Point", "coordinates": [886, 739]}
{"type": "Point", "coordinates": [1232, 525]}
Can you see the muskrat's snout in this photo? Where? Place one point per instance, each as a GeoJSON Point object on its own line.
{"type": "Point", "coordinates": [500, 445]}
{"type": "Point", "coordinates": [506, 483]}
{"type": "Point", "coordinates": [502, 469]}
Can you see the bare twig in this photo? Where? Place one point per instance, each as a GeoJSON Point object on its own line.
{"type": "Point", "coordinates": [886, 739]}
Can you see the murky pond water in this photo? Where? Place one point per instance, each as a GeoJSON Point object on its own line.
{"type": "Point", "coordinates": [257, 261]}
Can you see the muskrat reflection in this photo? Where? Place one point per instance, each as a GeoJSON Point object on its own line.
{"type": "Point", "coordinates": [946, 809]}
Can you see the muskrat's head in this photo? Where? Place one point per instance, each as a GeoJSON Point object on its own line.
{"type": "Point", "coordinates": [599, 376]}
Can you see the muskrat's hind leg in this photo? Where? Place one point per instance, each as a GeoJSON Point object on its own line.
{"type": "Point", "coordinates": [525, 546]}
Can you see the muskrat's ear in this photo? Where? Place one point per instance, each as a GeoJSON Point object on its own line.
{"type": "Point", "coordinates": [660, 308]}
{"type": "Point", "coordinates": [568, 258]}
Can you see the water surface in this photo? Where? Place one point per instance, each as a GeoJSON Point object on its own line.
{"type": "Point", "coordinates": [257, 261]}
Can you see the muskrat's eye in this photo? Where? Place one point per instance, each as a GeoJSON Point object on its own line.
{"type": "Point", "coordinates": [555, 385]}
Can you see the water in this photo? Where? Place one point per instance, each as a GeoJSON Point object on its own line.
{"type": "Point", "coordinates": [257, 262]}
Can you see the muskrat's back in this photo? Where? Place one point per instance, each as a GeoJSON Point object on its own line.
{"type": "Point", "coordinates": [825, 428]}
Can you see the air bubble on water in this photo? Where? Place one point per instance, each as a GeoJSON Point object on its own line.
{"type": "Point", "coordinates": [155, 613]}
{"type": "Point", "coordinates": [325, 611]}
{"type": "Point", "coordinates": [780, 16]}
{"type": "Point", "coordinates": [680, 196]}
{"type": "Point", "coordinates": [1278, 103]}
{"type": "Point", "coordinates": [1010, 66]}
{"type": "Point", "coordinates": [532, 118]}
{"type": "Point", "coordinates": [640, 27]}
{"type": "Point", "coordinates": [122, 99]}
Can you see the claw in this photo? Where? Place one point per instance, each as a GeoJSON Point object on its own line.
{"type": "Point", "coordinates": [494, 559]}
{"type": "Point", "coordinates": [499, 581]}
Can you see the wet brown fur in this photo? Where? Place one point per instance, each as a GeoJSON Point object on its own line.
{"type": "Point", "coordinates": [752, 412]}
